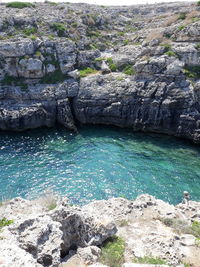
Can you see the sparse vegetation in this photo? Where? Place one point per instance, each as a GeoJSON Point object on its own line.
{"type": "Point", "coordinates": [167, 46]}
{"type": "Point", "coordinates": [20, 5]}
{"type": "Point", "coordinates": [29, 31]}
{"type": "Point", "coordinates": [149, 260]}
{"type": "Point", "coordinates": [169, 21]}
{"type": "Point", "coordinates": [128, 70]}
{"type": "Point", "coordinates": [120, 78]}
{"type": "Point", "coordinates": [123, 223]}
{"type": "Point", "coordinates": [180, 28]}
{"type": "Point", "coordinates": [113, 252]}
{"type": "Point", "coordinates": [49, 200]}
{"type": "Point", "coordinates": [14, 81]}
{"type": "Point", "coordinates": [59, 28]}
{"type": "Point", "coordinates": [182, 16]}
{"type": "Point", "coordinates": [33, 37]}
{"type": "Point", "coordinates": [192, 72]}
{"type": "Point", "coordinates": [38, 54]}
{"type": "Point", "coordinates": [155, 34]}
{"type": "Point", "coordinates": [55, 77]}
{"type": "Point", "coordinates": [182, 226]}
{"type": "Point", "coordinates": [170, 54]}
{"type": "Point", "coordinates": [4, 222]}
{"type": "Point", "coordinates": [126, 42]}
{"type": "Point", "coordinates": [194, 229]}
{"type": "Point", "coordinates": [86, 72]}
{"type": "Point", "coordinates": [198, 3]}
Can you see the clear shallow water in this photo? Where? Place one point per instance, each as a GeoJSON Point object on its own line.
{"type": "Point", "coordinates": [97, 163]}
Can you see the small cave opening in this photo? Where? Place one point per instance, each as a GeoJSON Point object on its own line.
{"type": "Point", "coordinates": [66, 252]}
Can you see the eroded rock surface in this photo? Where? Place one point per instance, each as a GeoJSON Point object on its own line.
{"type": "Point", "coordinates": [73, 236]}
{"type": "Point", "coordinates": [146, 59]}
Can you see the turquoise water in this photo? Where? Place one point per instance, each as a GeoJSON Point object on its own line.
{"type": "Point", "coordinates": [97, 163]}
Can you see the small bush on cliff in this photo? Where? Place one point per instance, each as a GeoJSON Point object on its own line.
{"type": "Point", "coordinates": [5, 222]}
{"type": "Point", "coordinates": [192, 72]}
{"type": "Point", "coordinates": [20, 4]}
{"type": "Point", "coordinates": [182, 226]}
{"type": "Point", "coordinates": [55, 77]}
{"type": "Point", "coordinates": [112, 253]}
{"type": "Point", "coordinates": [149, 260]}
{"type": "Point", "coordinates": [59, 28]}
{"type": "Point", "coordinates": [128, 70]}
{"type": "Point", "coordinates": [170, 54]}
{"type": "Point", "coordinates": [194, 229]}
{"type": "Point", "coordinates": [14, 81]}
{"type": "Point", "coordinates": [198, 3]}
{"type": "Point", "coordinates": [86, 72]}
{"type": "Point", "coordinates": [182, 16]}
{"type": "Point", "coordinates": [30, 31]}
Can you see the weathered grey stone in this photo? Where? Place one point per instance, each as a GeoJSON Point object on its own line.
{"type": "Point", "coordinates": [64, 115]}
{"type": "Point", "coordinates": [30, 68]}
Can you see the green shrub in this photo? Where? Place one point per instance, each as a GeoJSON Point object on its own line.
{"type": "Point", "coordinates": [19, 4]}
{"type": "Point", "coordinates": [149, 260]}
{"type": "Point", "coordinates": [182, 227]}
{"type": "Point", "coordinates": [51, 3]}
{"type": "Point", "coordinates": [195, 229]}
{"type": "Point", "coordinates": [5, 222]}
{"type": "Point", "coordinates": [86, 72]}
{"type": "Point", "coordinates": [180, 28]}
{"type": "Point", "coordinates": [182, 16]}
{"type": "Point", "coordinates": [198, 3]}
{"type": "Point", "coordinates": [52, 206]}
{"type": "Point", "coordinates": [112, 253]}
{"type": "Point", "coordinates": [33, 37]}
{"type": "Point", "coordinates": [120, 78]}
{"type": "Point", "coordinates": [55, 77]}
{"type": "Point", "coordinates": [126, 42]}
{"type": "Point", "coordinates": [14, 81]}
{"type": "Point", "coordinates": [30, 31]}
{"type": "Point", "coordinates": [59, 28]}
{"type": "Point", "coordinates": [38, 54]}
{"type": "Point", "coordinates": [121, 33]}
{"type": "Point", "coordinates": [100, 59]}
{"type": "Point", "coordinates": [109, 60]}
{"type": "Point", "coordinates": [192, 72]}
{"type": "Point", "coordinates": [123, 223]}
{"type": "Point", "coordinates": [166, 46]}
{"type": "Point", "coordinates": [113, 67]}
{"type": "Point", "coordinates": [128, 70]}
{"type": "Point", "coordinates": [170, 54]}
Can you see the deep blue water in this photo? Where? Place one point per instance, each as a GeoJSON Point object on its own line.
{"type": "Point", "coordinates": [97, 163]}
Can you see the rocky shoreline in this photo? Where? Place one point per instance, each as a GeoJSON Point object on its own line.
{"type": "Point", "coordinates": [52, 232]}
{"type": "Point", "coordinates": [125, 66]}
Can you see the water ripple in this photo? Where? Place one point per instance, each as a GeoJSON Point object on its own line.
{"type": "Point", "coordinates": [97, 163]}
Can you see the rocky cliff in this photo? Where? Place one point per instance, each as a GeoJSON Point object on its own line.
{"type": "Point", "coordinates": [135, 67]}
{"type": "Point", "coordinates": [51, 232]}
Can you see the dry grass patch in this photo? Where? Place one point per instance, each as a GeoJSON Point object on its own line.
{"type": "Point", "coordinates": [49, 200]}
{"type": "Point", "coordinates": [169, 21]}
{"type": "Point", "coordinates": [155, 34]}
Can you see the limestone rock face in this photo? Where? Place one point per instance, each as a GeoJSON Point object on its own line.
{"type": "Point", "coordinates": [30, 68]}
{"type": "Point", "coordinates": [160, 105]}
{"type": "Point", "coordinates": [68, 236]}
{"type": "Point", "coordinates": [40, 237]}
{"type": "Point", "coordinates": [151, 67]}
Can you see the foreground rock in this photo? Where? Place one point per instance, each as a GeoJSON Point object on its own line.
{"type": "Point", "coordinates": [73, 236]}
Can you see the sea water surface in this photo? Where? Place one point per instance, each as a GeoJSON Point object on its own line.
{"type": "Point", "coordinates": [97, 163]}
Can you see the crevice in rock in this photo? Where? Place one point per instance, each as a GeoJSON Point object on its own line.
{"type": "Point", "coordinates": [64, 253]}
{"type": "Point", "coordinates": [71, 105]}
